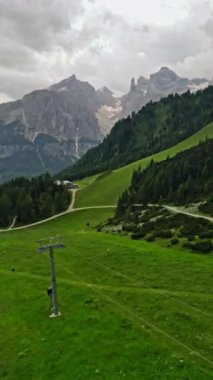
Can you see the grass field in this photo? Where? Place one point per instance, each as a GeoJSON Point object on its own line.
{"type": "Point", "coordinates": [107, 190]}
{"type": "Point", "coordinates": [130, 309]}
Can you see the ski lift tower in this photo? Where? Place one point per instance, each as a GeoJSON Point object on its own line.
{"type": "Point", "coordinates": [50, 244]}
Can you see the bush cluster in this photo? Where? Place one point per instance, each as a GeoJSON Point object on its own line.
{"type": "Point", "coordinates": [200, 246]}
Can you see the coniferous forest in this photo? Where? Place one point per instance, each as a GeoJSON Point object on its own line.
{"type": "Point", "coordinates": [187, 177]}
{"type": "Point", "coordinates": [30, 200]}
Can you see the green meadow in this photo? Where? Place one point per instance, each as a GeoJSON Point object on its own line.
{"type": "Point", "coordinates": [130, 309]}
{"type": "Point", "coordinates": [107, 189]}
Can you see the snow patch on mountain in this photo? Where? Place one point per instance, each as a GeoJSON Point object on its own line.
{"type": "Point", "coordinates": [107, 117]}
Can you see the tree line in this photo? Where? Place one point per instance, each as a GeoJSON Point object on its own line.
{"type": "Point", "coordinates": [30, 200]}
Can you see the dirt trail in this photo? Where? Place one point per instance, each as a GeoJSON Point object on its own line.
{"type": "Point", "coordinates": [180, 211]}
{"type": "Point", "coordinates": [71, 207]}
{"type": "Point", "coordinates": [13, 223]}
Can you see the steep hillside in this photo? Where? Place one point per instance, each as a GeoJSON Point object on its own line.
{"type": "Point", "coordinates": [187, 177]}
{"type": "Point", "coordinates": [106, 189]}
{"type": "Point", "coordinates": [157, 206]}
{"type": "Point", "coordinates": [156, 127]}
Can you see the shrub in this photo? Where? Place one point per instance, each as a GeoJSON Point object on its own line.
{"type": "Point", "coordinates": [206, 234]}
{"type": "Point", "coordinates": [148, 227]}
{"type": "Point", "coordinates": [207, 207]}
{"type": "Point", "coordinates": [165, 234]}
{"type": "Point", "coordinates": [187, 245]}
{"type": "Point", "coordinates": [138, 235]}
{"type": "Point", "coordinates": [150, 238]}
{"type": "Point", "coordinates": [113, 221]}
{"type": "Point", "coordinates": [195, 226]}
{"type": "Point", "coordinates": [130, 227]}
{"type": "Point", "coordinates": [174, 241]}
{"type": "Point", "coordinates": [191, 238]}
{"type": "Point", "coordinates": [202, 246]}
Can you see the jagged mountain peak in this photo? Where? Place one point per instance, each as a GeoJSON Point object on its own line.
{"type": "Point", "coordinates": [164, 74]}
{"type": "Point", "coordinates": [165, 69]}
{"type": "Point", "coordinates": [69, 84]}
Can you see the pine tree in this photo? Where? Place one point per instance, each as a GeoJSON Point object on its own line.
{"type": "Point", "coordinates": [123, 203]}
{"type": "Point", "coordinates": [5, 210]}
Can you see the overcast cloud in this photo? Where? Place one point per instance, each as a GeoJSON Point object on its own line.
{"type": "Point", "coordinates": [105, 42]}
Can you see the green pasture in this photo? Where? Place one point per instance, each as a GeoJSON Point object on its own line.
{"type": "Point", "coordinates": [106, 190]}
{"type": "Point", "coordinates": [130, 309]}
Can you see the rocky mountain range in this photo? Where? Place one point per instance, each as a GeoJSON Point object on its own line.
{"type": "Point", "coordinates": [159, 85]}
{"type": "Point", "coordinates": [49, 129]}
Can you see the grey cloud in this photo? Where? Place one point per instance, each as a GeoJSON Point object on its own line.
{"type": "Point", "coordinates": [24, 57]}
{"type": "Point", "coordinates": [43, 41]}
{"type": "Point", "coordinates": [208, 29]}
{"type": "Point", "coordinates": [35, 24]}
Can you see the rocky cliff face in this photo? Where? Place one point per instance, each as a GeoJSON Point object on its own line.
{"type": "Point", "coordinates": [49, 129]}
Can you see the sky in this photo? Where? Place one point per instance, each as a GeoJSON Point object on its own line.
{"type": "Point", "coordinates": [104, 42]}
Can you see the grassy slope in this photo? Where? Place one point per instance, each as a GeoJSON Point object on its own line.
{"type": "Point", "coordinates": [104, 332]}
{"type": "Point", "coordinates": [106, 191]}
